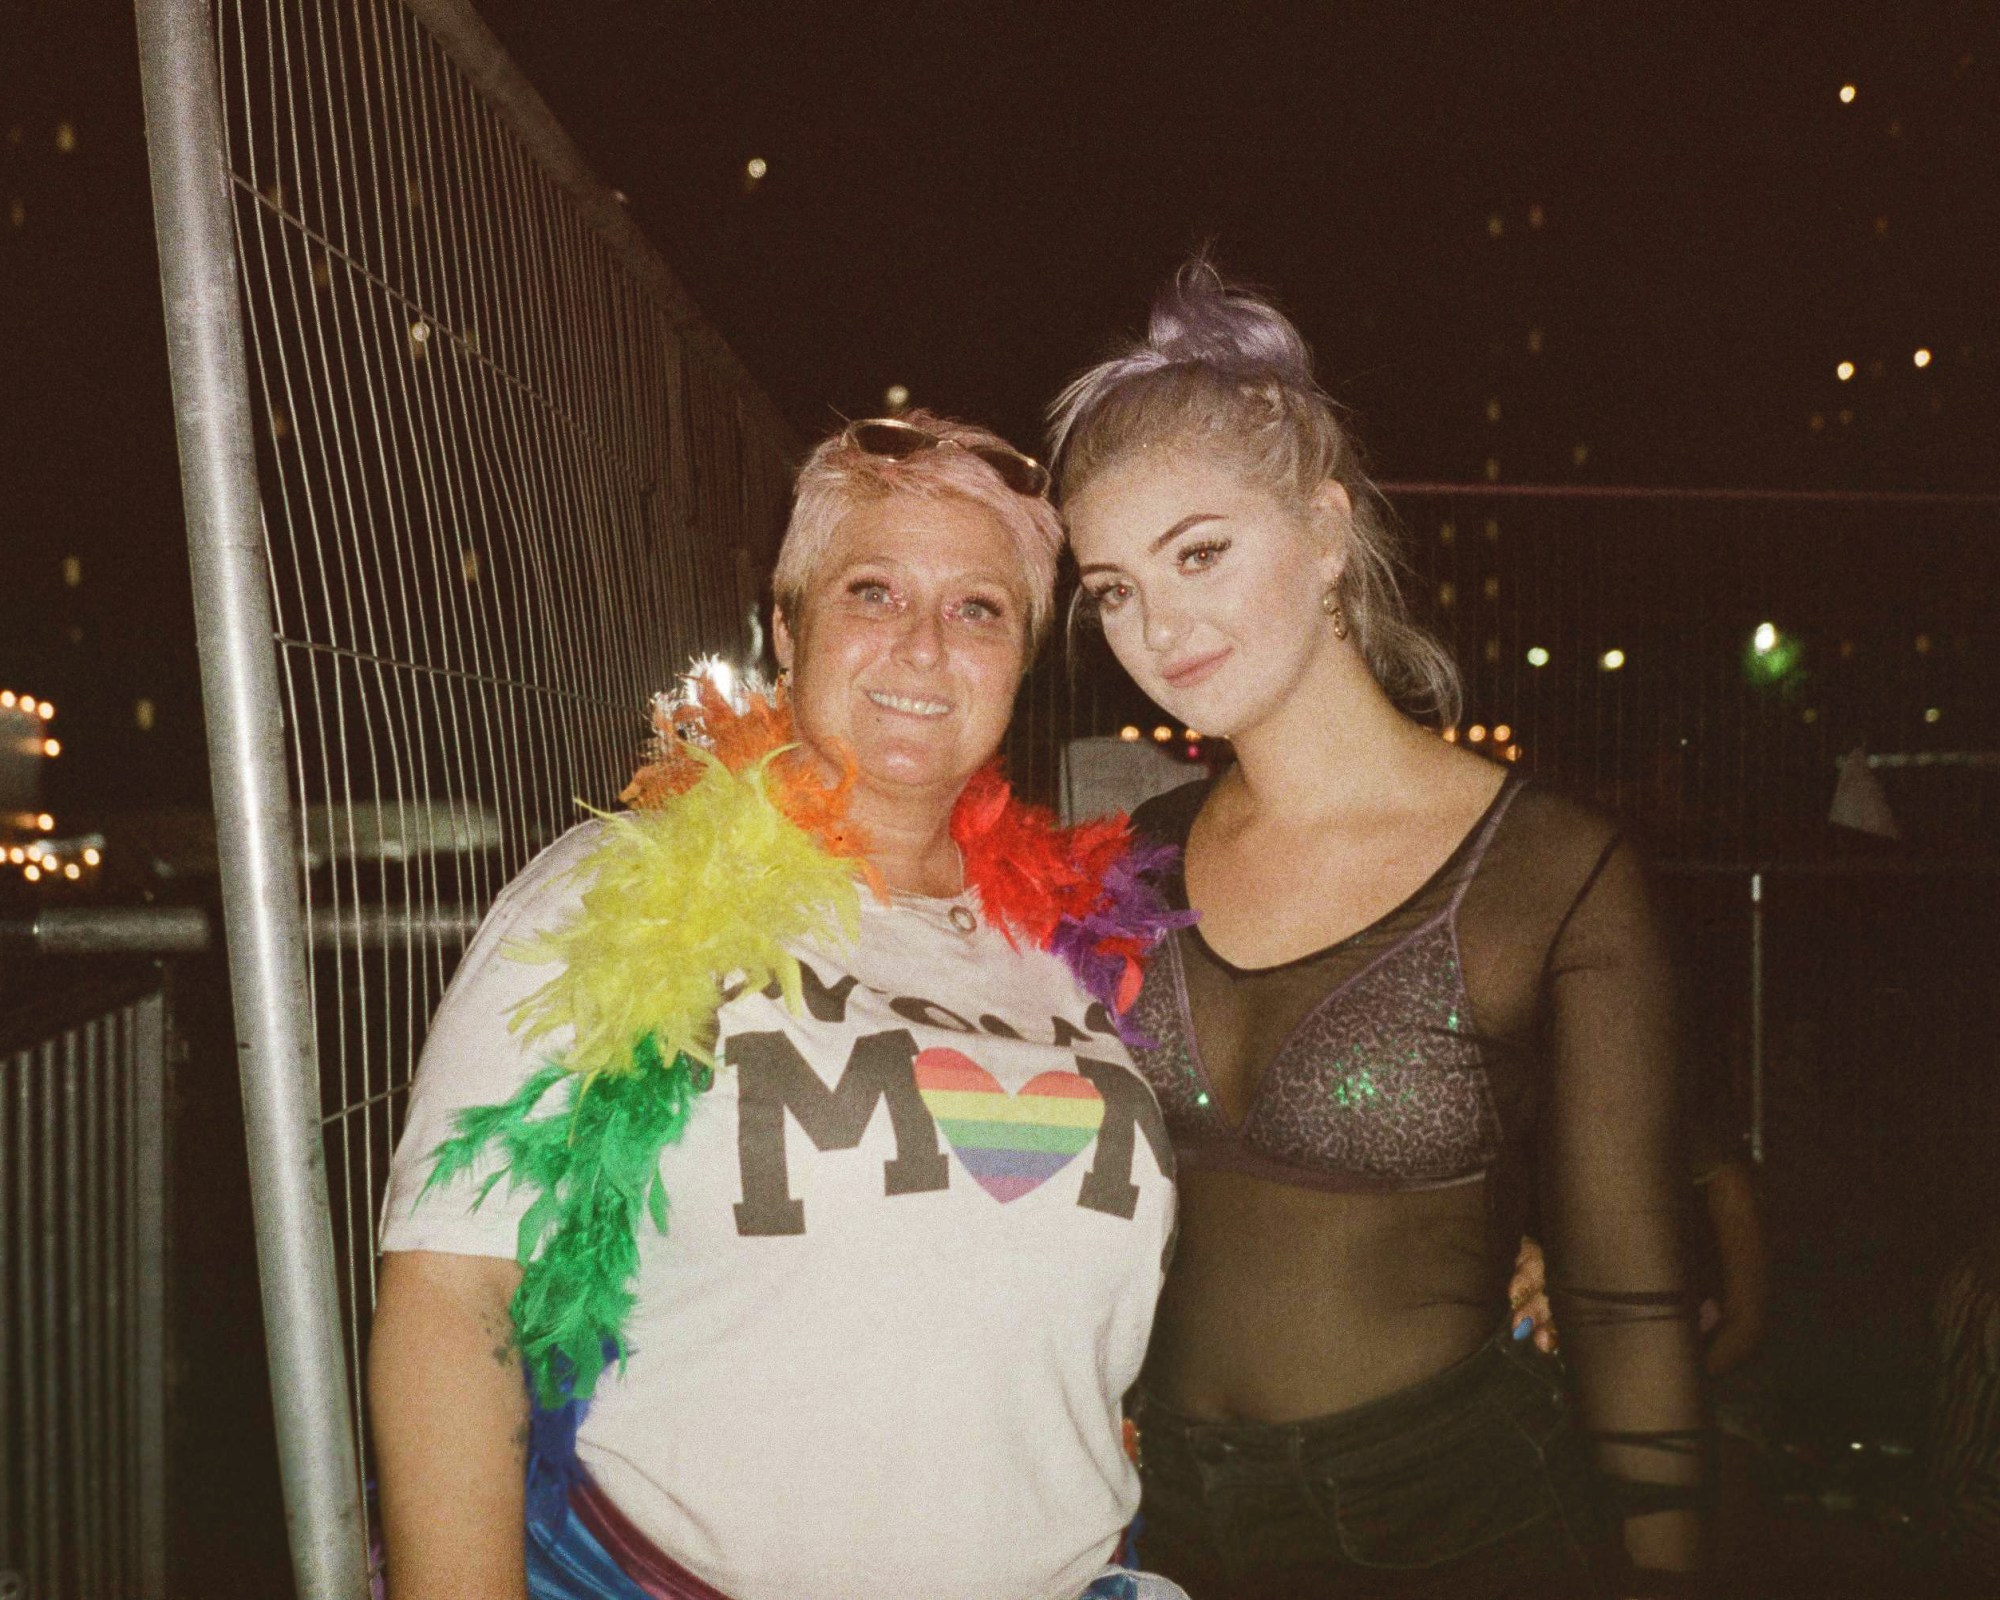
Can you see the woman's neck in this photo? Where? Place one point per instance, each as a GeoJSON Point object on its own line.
{"type": "Point", "coordinates": [1336, 744]}
{"type": "Point", "coordinates": [909, 838]}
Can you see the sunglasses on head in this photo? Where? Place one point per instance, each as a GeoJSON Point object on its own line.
{"type": "Point", "coordinates": [897, 440]}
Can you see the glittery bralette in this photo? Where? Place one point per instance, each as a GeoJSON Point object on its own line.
{"type": "Point", "coordinates": [1382, 1085]}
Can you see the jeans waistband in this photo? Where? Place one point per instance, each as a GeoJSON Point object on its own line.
{"type": "Point", "coordinates": [1391, 1422]}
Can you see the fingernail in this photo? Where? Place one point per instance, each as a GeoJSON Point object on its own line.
{"type": "Point", "coordinates": [1524, 1327]}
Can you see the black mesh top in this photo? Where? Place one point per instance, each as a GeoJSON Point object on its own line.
{"type": "Point", "coordinates": [1501, 1040]}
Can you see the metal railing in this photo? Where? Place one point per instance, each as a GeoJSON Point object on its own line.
{"type": "Point", "coordinates": [83, 1300]}
{"type": "Point", "coordinates": [454, 438]}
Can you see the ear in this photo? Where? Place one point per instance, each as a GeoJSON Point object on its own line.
{"type": "Point", "coordinates": [1333, 515]}
{"type": "Point", "coordinates": [781, 639]}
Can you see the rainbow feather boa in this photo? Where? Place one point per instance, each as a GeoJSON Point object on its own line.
{"type": "Point", "coordinates": [735, 849]}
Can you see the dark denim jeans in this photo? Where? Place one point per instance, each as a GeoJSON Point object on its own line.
{"type": "Point", "coordinates": [1472, 1485]}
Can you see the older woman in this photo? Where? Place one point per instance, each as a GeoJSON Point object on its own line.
{"type": "Point", "coordinates": [1420, 991]}
{"type": "Point", "coordinates": [816, 1190]}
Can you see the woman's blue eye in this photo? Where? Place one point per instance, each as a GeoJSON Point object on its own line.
{"type": "Point", "coordinates": [978, 609]}
{"type": "Point", "coordinates": [870, 591]}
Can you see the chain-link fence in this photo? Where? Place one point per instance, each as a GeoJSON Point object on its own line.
{"type": "Point", "coordinates": [457, 442]}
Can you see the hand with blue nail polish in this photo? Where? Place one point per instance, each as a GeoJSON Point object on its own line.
{"type": "Point", "coordinates": [1528, 1298]}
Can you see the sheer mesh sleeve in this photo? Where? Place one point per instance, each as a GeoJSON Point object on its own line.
{"type": "Point", "coordinates": [1615, 1196]}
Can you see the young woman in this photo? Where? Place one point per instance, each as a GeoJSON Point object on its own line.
{"type": "Point", "coordinates": [1421, 994]}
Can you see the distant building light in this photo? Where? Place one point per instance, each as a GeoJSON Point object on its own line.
{"type": "Point", "coordinates": [1536, 215]}
{"type": "Point", "coordinates": [1932, 713]}
{"type": "Point", "coordinates": [1537, 656]}
{"type": "Point", "coordinates": [72, 571]}
{"type": "Point", "coordinates": [1162, 734]}
{"type": "Point", "coordinates": [144, 713]}
{"type": "Point", "coordinates": [1844, 371]}
{"type": "Point", "coordinates": [1475, 734]}
{"type": "Point", "coordinates": [1611, 660]}
{"type": "Point", "coordinates": [1847, 92]}
{"type": "Point", "coordinates": [65, 137]}
{"type": "Point", "coordinates": [1502, 734]}
{"type": "Point", "coordinates": [1810, 714]}
{"type": "Point", "coordinates": [1129, 734]}
{"type": "Point", "coordinates": [1447, 594]}
{"type": "Point", "coordinates": [1923, 644]}
{"type": "Point", "coordinates": [1534, 341]}
{"type": "Point", "coordinates": [1922, 358]}
{"type": "Point", "coordinates": [93, 855]}
{"type": "Point", "coordinates": [896, 396]}
{"type": "Point", "coordinates": [756, 167]}
{"type": "Point", "coordinates": [1495, 225]}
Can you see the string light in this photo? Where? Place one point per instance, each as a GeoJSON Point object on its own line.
{"type": "Point", "coordinates": [52, 747]}
{"type": "Point", "coordinates": [1844, 371]}
{"type": "Point", "coordinates": [72, 872]}
{"type": "Point", "coordinates": [93, 856]}
{"type": "Point", "coordinates": [1502, 734]}
{"type": "Point", "coordinates": [32, 873]}
{"type": "Point", "coordinates": [45, 822]}
{"type": "Point", "coordinates": [1162, 734]}
{"type": "Point", "coordinates": [1129, 734]}
{"type": "Point", "coordinates": [755, 168]}
{"type": "Point", "coordinates": [1476, 733]}
{"type": "Point", "coordinates": [1922, 358]}
{"type": "Point", "coordinates": [1847, 93]}
{"type": "Point", "coordinates": [7, 698]}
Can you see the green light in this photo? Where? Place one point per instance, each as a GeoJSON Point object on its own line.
{"type": "Point", "coordinates": [1772, 656]}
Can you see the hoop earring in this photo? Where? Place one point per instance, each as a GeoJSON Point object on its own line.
{"type": "Point", "coordinates": [1330, 604]}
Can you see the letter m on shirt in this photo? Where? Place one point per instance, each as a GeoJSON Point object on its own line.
{"type": "Point", "coordinates": [774, 1081]}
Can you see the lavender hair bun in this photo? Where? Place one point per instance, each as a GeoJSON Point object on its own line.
{"type": "Point", "coordinates": [1198, 318]}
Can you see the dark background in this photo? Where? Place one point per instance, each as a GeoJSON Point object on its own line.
{"type": "Point", "coordinates": [972, 201]}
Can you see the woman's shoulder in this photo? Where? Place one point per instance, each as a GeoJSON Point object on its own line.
{"type": "Point", "coordinates": [1168, 818]}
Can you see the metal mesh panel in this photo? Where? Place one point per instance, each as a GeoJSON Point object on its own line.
{"type": "Point", "coordinates": [508, 492]}
{"type": "Point", "coordinates": [82, 1361]}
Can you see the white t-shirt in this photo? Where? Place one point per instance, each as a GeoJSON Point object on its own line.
{"type": "Point", "coordinates": [915, 1239]}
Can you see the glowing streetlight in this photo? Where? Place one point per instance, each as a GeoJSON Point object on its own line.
{"type": "Point", "coordinates": [755, 168]}
{"type": "Point", "coordinates": [72, 872]}
{"type": "Point", "coordinates": [92, 856]}
{"type": "Point", "coordinates": [52, 747]}
{"type": "Point", "coordinates": [1611, 660]}
{"type": "Point", "coordinates": [1922, 358]}
{"type": "Point", "coordinates": [1537, 656]}
{"type": "Point", "coordinates": [1844, 371]}
{"type": "Point", "coordinates": [32, 873]}
{"type": "Point", "coordinates": [1765, 639]}
{"type": "Point", "coordinates": [1932, 714]}
{"type": "Point", "coordinates": [1847, 92]}
{"type": "Point", "coordinates": [896, 396]}
{"type": "Point", "coordinates": [45, 821]}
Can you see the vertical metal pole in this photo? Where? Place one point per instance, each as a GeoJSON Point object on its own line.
{"type": "Point", "coordinates": [261, 880]}
{"type": "Point", "coordinates": [147, 1137]}
{"type": "Point", "coordinates": [1757, 1018]}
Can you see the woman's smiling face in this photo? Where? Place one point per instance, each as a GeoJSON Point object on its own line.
{"type": "Point", "coordinates": [1207, 584]}
{"type": "Point", "coordinates": [910, 642]}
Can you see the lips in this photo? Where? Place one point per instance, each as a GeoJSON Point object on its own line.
{"type": "Point", "coordinates": [1186, 674]}
{"type": "Point", "coordinates": [909, 705]}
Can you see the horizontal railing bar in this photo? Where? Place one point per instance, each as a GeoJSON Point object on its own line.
{"type": "Point", "coordinates": [189, 930]}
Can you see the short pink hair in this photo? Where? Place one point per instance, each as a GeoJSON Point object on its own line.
{"type": "Point", "coordinates": [839, 476]}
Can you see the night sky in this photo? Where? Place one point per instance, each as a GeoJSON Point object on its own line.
{"type": "Point", "coordinates": [1674, 203]}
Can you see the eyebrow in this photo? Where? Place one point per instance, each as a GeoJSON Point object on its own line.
{"type": "Point", "coordinates": [1193, 520]}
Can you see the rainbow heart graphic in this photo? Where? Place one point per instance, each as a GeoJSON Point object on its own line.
{"type": "Point", "coordinates": [1011, 1144]}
